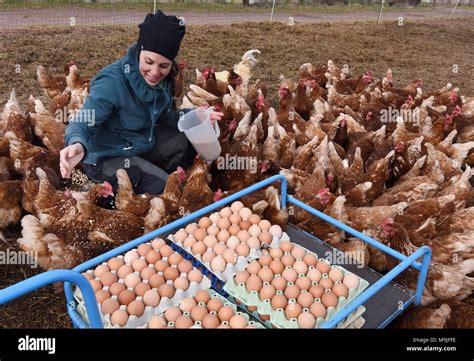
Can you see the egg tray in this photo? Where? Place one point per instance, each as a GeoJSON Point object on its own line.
{"type": "Point", "coordinates": [226, 302]}
{"type": "Point", "coordinates": [134, 321]}
{"type": "Point", "coordinates": [241, 296]}
{"type": "Point", "coordinates": [218, 279]}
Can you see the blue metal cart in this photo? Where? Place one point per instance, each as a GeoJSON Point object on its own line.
{"type": "Point", "coordinates": [384, 299]}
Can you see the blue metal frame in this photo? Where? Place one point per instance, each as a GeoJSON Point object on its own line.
{"type": "Point", "coordinates": [74, 276]}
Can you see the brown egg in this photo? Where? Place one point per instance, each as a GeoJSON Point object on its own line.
{"type": "Point", "coordinates": [214, 304]}
{"type": "Point", "coordinates": [288, 260]}
{"type": "Point", "coordinates": [243, 236]}
{"type": "Point", "coordinates": [254, 230]}
{"type": "Point", "coordinates": [208, 256]}
{"type": "Point", "coordinates": [340, 290]}
{"type": "Point", "coordinates": [199, 248]}
{"type": "Point", "coordinates": [156, 280]}
{"type": "Point", "coordinates": [126, 296]}
{"type": "Point", "coordinates": [245, 225]}
{"type": "Point", "coordinates": [267, 292]}
{"type": "Point", "coordinates": [264, 225]}
{"type": "Point", "coordinates": [210, 241]}
{"type": "Point", "coordinates": [225, 212]}
{"type": "Point", "coordinates": [166, 251]}
{"type": "Point", "coordinates": [157, 243]}
{"type": "Point", "coordinates": [108, 278]}
{"type": "Point", "coordinates": [310, 259]}
{"type": "Point", "coordinates": [350, 280]}
{"type": "Point", "coordinates": [329, 299]}
{"type": "Point", "coordinates": [109, 306]}
{"type": "Point", "coordinates": [174, 259]}
{"type": "Point", "coordinates": [254, 267]}
{"type": "Point", "coordinates": [139, 264]}
{"type": "Point", "coordinates": [119, 318]}
{"type": "Point", "coordinates": [223, 224]}
{"type": "Point", "coordinates": [172, 314]}
{"type": "Point", "coordinates": [279, 301]}
{"type": "Point", "coordinates": [236, 206]}
{"type": "Point", "coordinates": [277, 267]}
{"type": "Point", "coordinates": [171, 273]}
{"type": "Point", "coordinates": [200, 234]}
{"type": "Point", "coordinates": [131, 256]}
{"type": "Point", "coordinates": [214, 217]}
{"type": "Point", "coordinates": [335, 274]}
{"type": "Point", "coordinates": [143, 249]}
{"type": "Point", "coordinates": [115, 263]}
{"type": "Point", "coordinates": [191, 228]}
{"type": "Point", "coordinates": [88, 275]}
{"type": "Point", "coordinates": [235, 219]}
{"type": "Point", "coordinates": [161, 265]}
{"type": "Point", "coordinates": [232, 242]}
{"type": "Point", "coordinates": [254, 283]}
{"type": "Point", "coordinates": [225, 313]}
{"type": "Point", "coordinates": [223, 236]}
{"type": "Point", "coordinates": [181, 235]}
{"type": "Point", "coordinates": [303, 283]}
{"type": "Point", "coordinates": [323, 266]}
{"type": "Point", "coordinates": [100, 270]}
{"type": "Point", "coordinates": [234, 230]}
{"type": "Point", "coordinates": [300, 267]}
{"type": "Point", "coordinates": [151, 298]}
{"type": "Point", "coordinates": [230, 256]}
{"type": "Point", "coordinates": [276, 253]}
{"type": "Point", "coordinates": [213, 230]}
{"type": "Point", "coordinates": [298, 252]}
{"type": "Point", "coordinates": [290, 275]}
{"type": "Point", "coordinates": [279, 283]}
{"type": "Point", "coordinates": [132, 280]}
{"type": "Point", "coordinates": [204, 223]}
{"type": "Point", "coordinates": [219, 248]}
{"type": "Point", "coordinates": [195, 276]}
{"type": "Point", "coordinates": [238, 321]}
{"type": "Point", "coordinates": [305, 299]}
{"type": "Point", "coordinates": [184, 266]}
{"type": "Point", "coordinates": [136, 308]}
{"type": "Point", "coordinates": [253, 243]}
{"type": "Point", "coordinates": [317, 309]}
{"type": "Point", "coordinates": [141, 288]}
{"type": "Point", "coordinates": [96, 285]}
{"type": "Point", "coordinates": [189, 242]}
{"type": "Point", "coordinates": [293, 310]}
{"type": "Point", "coordinates": [218, 264]}
{"type": "Point", "coordinates": [246, 213]}
{"type": "Point", "coordinates": [265, 274]}
{"type": "Point", "coordinates": [157, 321]}
{"type": "Point", "coordinates": [181, 283]}
{"type": "Point", "coordinates": [286, 246]}
{"type": "Point", "coordinates": [202, 296]}
{"type": "Point", "coordinates": [265, 237]}
{"type": "Point", "coordinates": [314, 275]}
{"type": "Point", "coordinates": [316, 291]}
{"type": "Point", "coordinates": [254, 219]}
{"type": "Point", "coordinates": [116, 288]}
{"type": "Point", "coordinates": [183, 322]}
{"type": "Point", "coordinates": [102, 295]}
{"type": "Point", "coordinates": [306, 320]}
{"type": "Point", "coordinates": [166, 290]}
{"type": "Point", "coordinates": [242, 249]}
{"type": "Point", "coordinates": [292, 292]}
{"type": "Point", "coordinates": [326, 283]}
{"type": "Point", "coordinates": [198, 313]}
{"type": "Point", "coordinates": [242, 277]}
{"type": "Point", "coordinates": [187, 304]}
{"type": "Point", "coordinates": [146, 273]}
{"type": "Point", "coordinates": [265, 260]}
{"type": "Point", "coordinates": [152, 256]}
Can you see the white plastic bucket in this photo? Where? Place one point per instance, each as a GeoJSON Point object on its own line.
{"type": "Point", "coordinates": [196, 125]}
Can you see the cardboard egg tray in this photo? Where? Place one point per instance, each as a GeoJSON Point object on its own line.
{"type": "Point", "coordinates": [134, 321]}
{"type": "Point", "coordinates": [218, 279]}
{"type": "Point", "coordinates": [226, 302]}
{"type": "Point", "coordinates": [276, 318]}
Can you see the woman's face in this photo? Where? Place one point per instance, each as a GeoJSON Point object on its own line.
{"type": "Point", "coordinates": [153, 67]}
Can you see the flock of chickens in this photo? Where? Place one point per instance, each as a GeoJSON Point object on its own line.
{"type": "Point", "coordinates": [405, 183]}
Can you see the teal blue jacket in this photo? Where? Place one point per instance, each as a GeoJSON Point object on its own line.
{"type": "Point", "coordinates": [122, 111]}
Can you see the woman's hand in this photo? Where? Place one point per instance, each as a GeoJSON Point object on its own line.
{"type": "Point", "coordinates": [69, 157]}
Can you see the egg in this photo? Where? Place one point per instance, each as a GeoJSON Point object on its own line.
{"type": "Point", "coordinates": [210, 241]}
{"type": "Point", "coordinates": [174, 259]}
{"type": "Point", "coordinates": [286, 246]}
{"type": "Point", "coordinates": [235, 219]}
{"type": "Point", "coordinates": [305, 299]}
{"type": "Point", "coordinates": [276, 231]}
{"type": "Point", "coordinates": [208, 256]}
{"type": "Point", "coordinates": [230, 256]}
{"type": "Point", "coordinates": [288, 260]}
{"type": "Point", "coordinates": [293, 310]}
{"type": "Point", "coordinates": [279, 283]}
{"type": "Point", "coordinates": [204, 223]}
{"type": "Point", "coordinates": [242, 277]}
{"type": "Point", "coordinates": [202, 296]}
{"type": "Point", "coordinates": [115, 263]}
{"type": "Point", "coordinates": [147, 272]}
{"type": "Point", "coordinates": [132, 280]}
{"type": "Point", "coordinates": [329, 299]}
{"type": "Point", "coordinates": [131, 256]}
{"type": "Point", "coordinates": [170, 273]}
{"type": "Point", "coordinates": [236, 206]}
{"type": "Point", "coordinates": [96, 285]}
{"type": "Point", "coordinates": [183, 322]}
{"type": "Point", "coordinates": [102, 295]}
{"type": "Point", "coordinates": [191, 228]}
{"type": "Point", "coordinates": [314, 275]}
{"type": "Point", "coordinates": [234, 230]}
{"type": "Point", "coordinates": [157, 321]}
{"type": "Point", "coordinates": [126, 296]}
{"type": "Point", "coordinates": [303, 283]}
{"type": "Point", "coordinates": [350, 280]}
{"type": "Point", "coordinates": [267, 292]}
{"type": "Point", "coordinates": [101, 269]}
{"type": "Point", "coordinates": [238, 321]}
{"type": "Point", "coordinates": [195, 276]}
{"type": "Point", "coordinates": [254, 267]}
{"type": "Point", "coordinates": [306, 320]}
{"type": "Point", "coordinates": [264, 225]}
{"type": "Point", "coordinates": [276, 253]}
{"type": "Point", "coordinates": [213, 230]}
{"type": "Point", "coordinates": [265, 274]}
{"type": "Point", "coordinates": [223, 236]}
{"type": "Point", "coordinates": [310, 259]}
{"type": "Point", "coordinates": [223, 325]}
{"type": "Point", "coordinates": [109, 306]}
{"type": "Point", "coordinates": [340, 290]}
{"type": "Point", "coordinates": [214, 305]}
{"type": "Point", "coordinates": [200, 234]}
{"type": "Point", "coordinates": [172, 313]}
{"type": "Point", "coordinates": [300, 267]}
{"type": "Point", "coordinates": [166, 290]}
{"type": "Point", "coordinates": [225, 313]}
{"type": "Point", "coordinates": [187, 304]}
{"type": "Point", "coordinates": [266, 237]}
{"type": "Point", "coordinates": [141, 288]}
{"type": "Point", "coordinates": [316, 291]}
{"type": "Point", "coordinates": [298, 252]}
{"type": "Point", "coordinates": [218, 264]}
{"type": "Point", "coordinates": [265, 260]}
{"type": "Point", "coordinates": [119, 318]}
{"type": "Point", "coordinates": [116, 288]}
{"type": "Point", "coordinates": [317, 309]}
{"type": "Point", "coordinates": [189, 242]}
{"type": "Point", "coordinates": [88, 275]}
{"type": "Point", "coordinates": [232, 242]}
{"type": "Point", "coordinates": [139, 264]}
{"type": "Point", "coordinates": [185, 266]}
{"type": "Point", "coordinates": [243, 236]}
{"type": "Point", "coordinates": [198, 313]}
{"type": "Point", "coordinates": [253, 218]}
{"type": "Point", "coordinates": [279, 301]}
{"type": "Point", "coordinates": [136, 308]}
{"type": "Point", "coordinates": [323, 266]}
{"type": "Point", "coordinates": [181, 283]}
{"type": "Point", "coordinates": [156, 280]}
{"type": "Point", "coordinates": [151, 298]}
{"type": "Point", "coordinates": [246, 213]}
{"type": "Point", "coordinates": [326, 283]}
{"type": "Point", "coordinates": [166, 250]}
{"type": "Point", "coordinates": [253, 243]}
{"type": "Point", "coordinates": [254, 283]}
{"type": "Point", "coordinates": [245, 225]}
{"type": "Point", "coordinates": [254, 230]}
{"type": "Point", "coordinates": [225, 212]}
{"type": "Point", "coordinates": [181, 235]}
{"type": "Point", "coordinates": [277, 267]}
{"type": "Point", "coordinates": [198, 248]}
{"type": "Point", "coordinates": [152, 256]}
{"type": "Point", "coordinates": [214, 217]}
{"type": "Point", "coordinates": [243, 250]}
{"type": "Point", "coordinates": [157, 243]}
{"type": "Point", "coordinates": [108, 278]}
{"type": "Point", "coordinates": [143, 249]}
{"type": "Point", "coordinates": [290, 275]}
{"type": "Point", "coordinates": [292, 292]}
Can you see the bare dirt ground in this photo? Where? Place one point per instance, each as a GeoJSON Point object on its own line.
{"type": "Point", "coordinates": [436, 51]}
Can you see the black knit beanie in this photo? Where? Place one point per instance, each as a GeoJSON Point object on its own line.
{"type": "Point", "coordinates": [161, 34]}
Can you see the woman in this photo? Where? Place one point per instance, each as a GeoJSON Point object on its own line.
{"type": "Point", "coordinates": [129, 120]}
